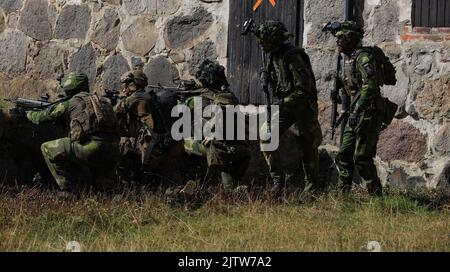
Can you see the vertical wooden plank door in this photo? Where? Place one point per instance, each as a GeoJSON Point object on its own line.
{"type": "Point", "coordinates": [244, 53]}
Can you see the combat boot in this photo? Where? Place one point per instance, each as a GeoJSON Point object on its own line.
{"type": "Point", "coordinates": [278, 185]}
{"type": "Point", "coordinates": [227, 181]}
{"type": "Point", "coordinates": [375, 188]}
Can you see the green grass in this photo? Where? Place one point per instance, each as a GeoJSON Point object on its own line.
{"type": "Point", "coordinates": [34, 220]}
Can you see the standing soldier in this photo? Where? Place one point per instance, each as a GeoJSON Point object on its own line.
{"type": "Point", "coordinates": [291, 78]}
{"type": "Point", "coordinates": [365, 71]}
{"type": "Point", "coordinates": [228, 158]}
{"type": "Point", "coordinates": [90, 153]}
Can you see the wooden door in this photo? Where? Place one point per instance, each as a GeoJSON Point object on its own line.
{"type": "Point", "coordinates": [244, 53]}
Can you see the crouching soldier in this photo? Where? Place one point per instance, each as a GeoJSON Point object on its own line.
{"type": "Point", "coordinates": [227, 159]}
{"type": "Point", "coordinates": [145, 126]}
{"type": "Point", "coordinates": [88, 156]}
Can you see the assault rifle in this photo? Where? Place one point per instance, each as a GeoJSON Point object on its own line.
{"type": "Point", "coordinates": [249, 27]}
{"type": "Point", "coordinates": [185, 89]}
{"type": "Point", "coordinates": [113, 96]}
{"type": "Point", "coordinates": [29, 104]}
{"type": "Point", "coordinates": [335, 98]}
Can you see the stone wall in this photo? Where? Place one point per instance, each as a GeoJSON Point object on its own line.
{"type": "Point", "coordinates": [41, 39]}
{"type": "Point", "coordinates": [414, 150]}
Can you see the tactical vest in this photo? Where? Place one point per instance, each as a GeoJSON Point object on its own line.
{"type": "Point", "coordinates": [90, 117]}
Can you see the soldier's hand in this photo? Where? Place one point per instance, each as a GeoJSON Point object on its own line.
{"type": "Point", "coordinates": [18, 112]}
{"type": "Point", "coordinates": [353, 120]}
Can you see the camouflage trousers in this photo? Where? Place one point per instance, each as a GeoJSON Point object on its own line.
{"type": "Point", "coordinates": [304, 114]}
{"type": "Point", "coordinates": [73, 164]}
{"type": "Point", "coordinates": [358, 149]}
{"type": "Point", "coordinates": [230, 165]}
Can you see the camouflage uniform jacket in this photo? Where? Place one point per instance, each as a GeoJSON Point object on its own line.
{"type": "Point", "coordinates": [291, 75]}
{"type": "Point", "coordinates": [62, 112]}
{"type": "Point", "coordinates": [359, 76]}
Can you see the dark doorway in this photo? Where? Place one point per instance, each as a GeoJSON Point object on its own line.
{"type": "Point", "coordinates": [244, 53]}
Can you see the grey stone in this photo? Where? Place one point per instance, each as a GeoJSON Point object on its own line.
{"type": "Point", "coordinates": [398, 93]}
{"type": "Point", "coordinates": [73, 22]}
{"type": "Point", "coordinates": [177, 56]}
{"type": "Point", "coordinates": [382, 23]}
{"type": "Point", "coordinates": [113, 2]}
{"type": "Point", "coordinates": [160, 71]}
{"type": "Point", "coordinates": [135, 7]}
{"type": "Point", "coordinates": [324, 66]}
{"type": "Point", "coordinates": [441, 141]}
{"type": "Point", "coordinates": [13, 52]}
{"type": "Point", "coordinates": [11, 5]}
{"type": "Point", "coordinates": [424, 63]}
{"type": "Point", "coordinates": [34, 20]}
{"type": "Point", "coordinates": [433, 99]}
{"type": "Point", "coordinates": [140, 38]}
{"type": "Point", "coordinates": [106, 30]}
{"type": "Point", "coordinates": [84, 61]}
{"type": "Point", "coordinates": [168, 6]}
{"type": "Point", "coordinates": [114, 67]}
{"type": "Point", "coordinates": [182, 30]}
{"type": "Point", "coordinates": [444, 177]}
{"type": "Point", "coordinates": [49, 62]}
{"type": "Point", "coordinates": [402, 141]}
{"type": "Point", "coordinates": [314, 18]}
{"type": "Point", "coordinates": [151, 7]}
{"type": "Point", "coordinates": [400, 179]}
{"type": "Point", "coordinates": [202, 51]}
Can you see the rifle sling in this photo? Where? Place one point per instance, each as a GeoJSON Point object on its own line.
{"type": "Point", "coordinates": [343, 116]}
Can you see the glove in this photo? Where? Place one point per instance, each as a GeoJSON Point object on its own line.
{"type": "Point", "coordinates": [18, 112]}
{"type": "Point", "coordinates": [353, 120]}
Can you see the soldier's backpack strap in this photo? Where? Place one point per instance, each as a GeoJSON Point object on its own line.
{"type": "Point", "coordinates": [292, 51]}
{"type": "Point", "coordinates": [385, 70]}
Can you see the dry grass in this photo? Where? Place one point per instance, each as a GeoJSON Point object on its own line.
{"type": "Point", "coordinates": [34, 220]}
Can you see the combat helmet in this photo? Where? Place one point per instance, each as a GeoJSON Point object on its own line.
{"type": "Point", "coordinates": [347, 29]}
{"type": "Point", "coordinates": [136, 76]}
{"type": "Point", "coordinates": [75, 83]}
{"type": "Point", "coordinates": [272, 31]}
{"type": "Point", "coordinates": [211, 74]}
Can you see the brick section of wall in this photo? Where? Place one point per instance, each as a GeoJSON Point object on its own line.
{"type": "Point", "coordinates": [434, 34]}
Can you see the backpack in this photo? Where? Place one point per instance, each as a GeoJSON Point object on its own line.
{"type": "Point", "coordinates": [385, 69]}
{"type": "Point", "coordinates": [90, 114]}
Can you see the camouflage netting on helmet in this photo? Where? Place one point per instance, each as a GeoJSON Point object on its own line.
{"type": "Point", "coordinates": [75, 83]}
{"type": "Point", "coordinates": [349, 29]}
{"type": "Point", "coordinates": [136, 76]}
{"type": "Point", "coordinates": [273, 31]}
{"type": "Point", "coordinates": [211, 74]}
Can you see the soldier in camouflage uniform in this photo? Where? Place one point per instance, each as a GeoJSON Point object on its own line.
{"type": "Point", "coordinates": [90, 153]}
{"type": "Point", "coordinates": [366, 113]}
{"type": "Point", "coordinates": [291, 79]}
{"type": "Point", "coordinates": [227, 158]}
{"type": "Point", "coordinates": [146, 129]}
